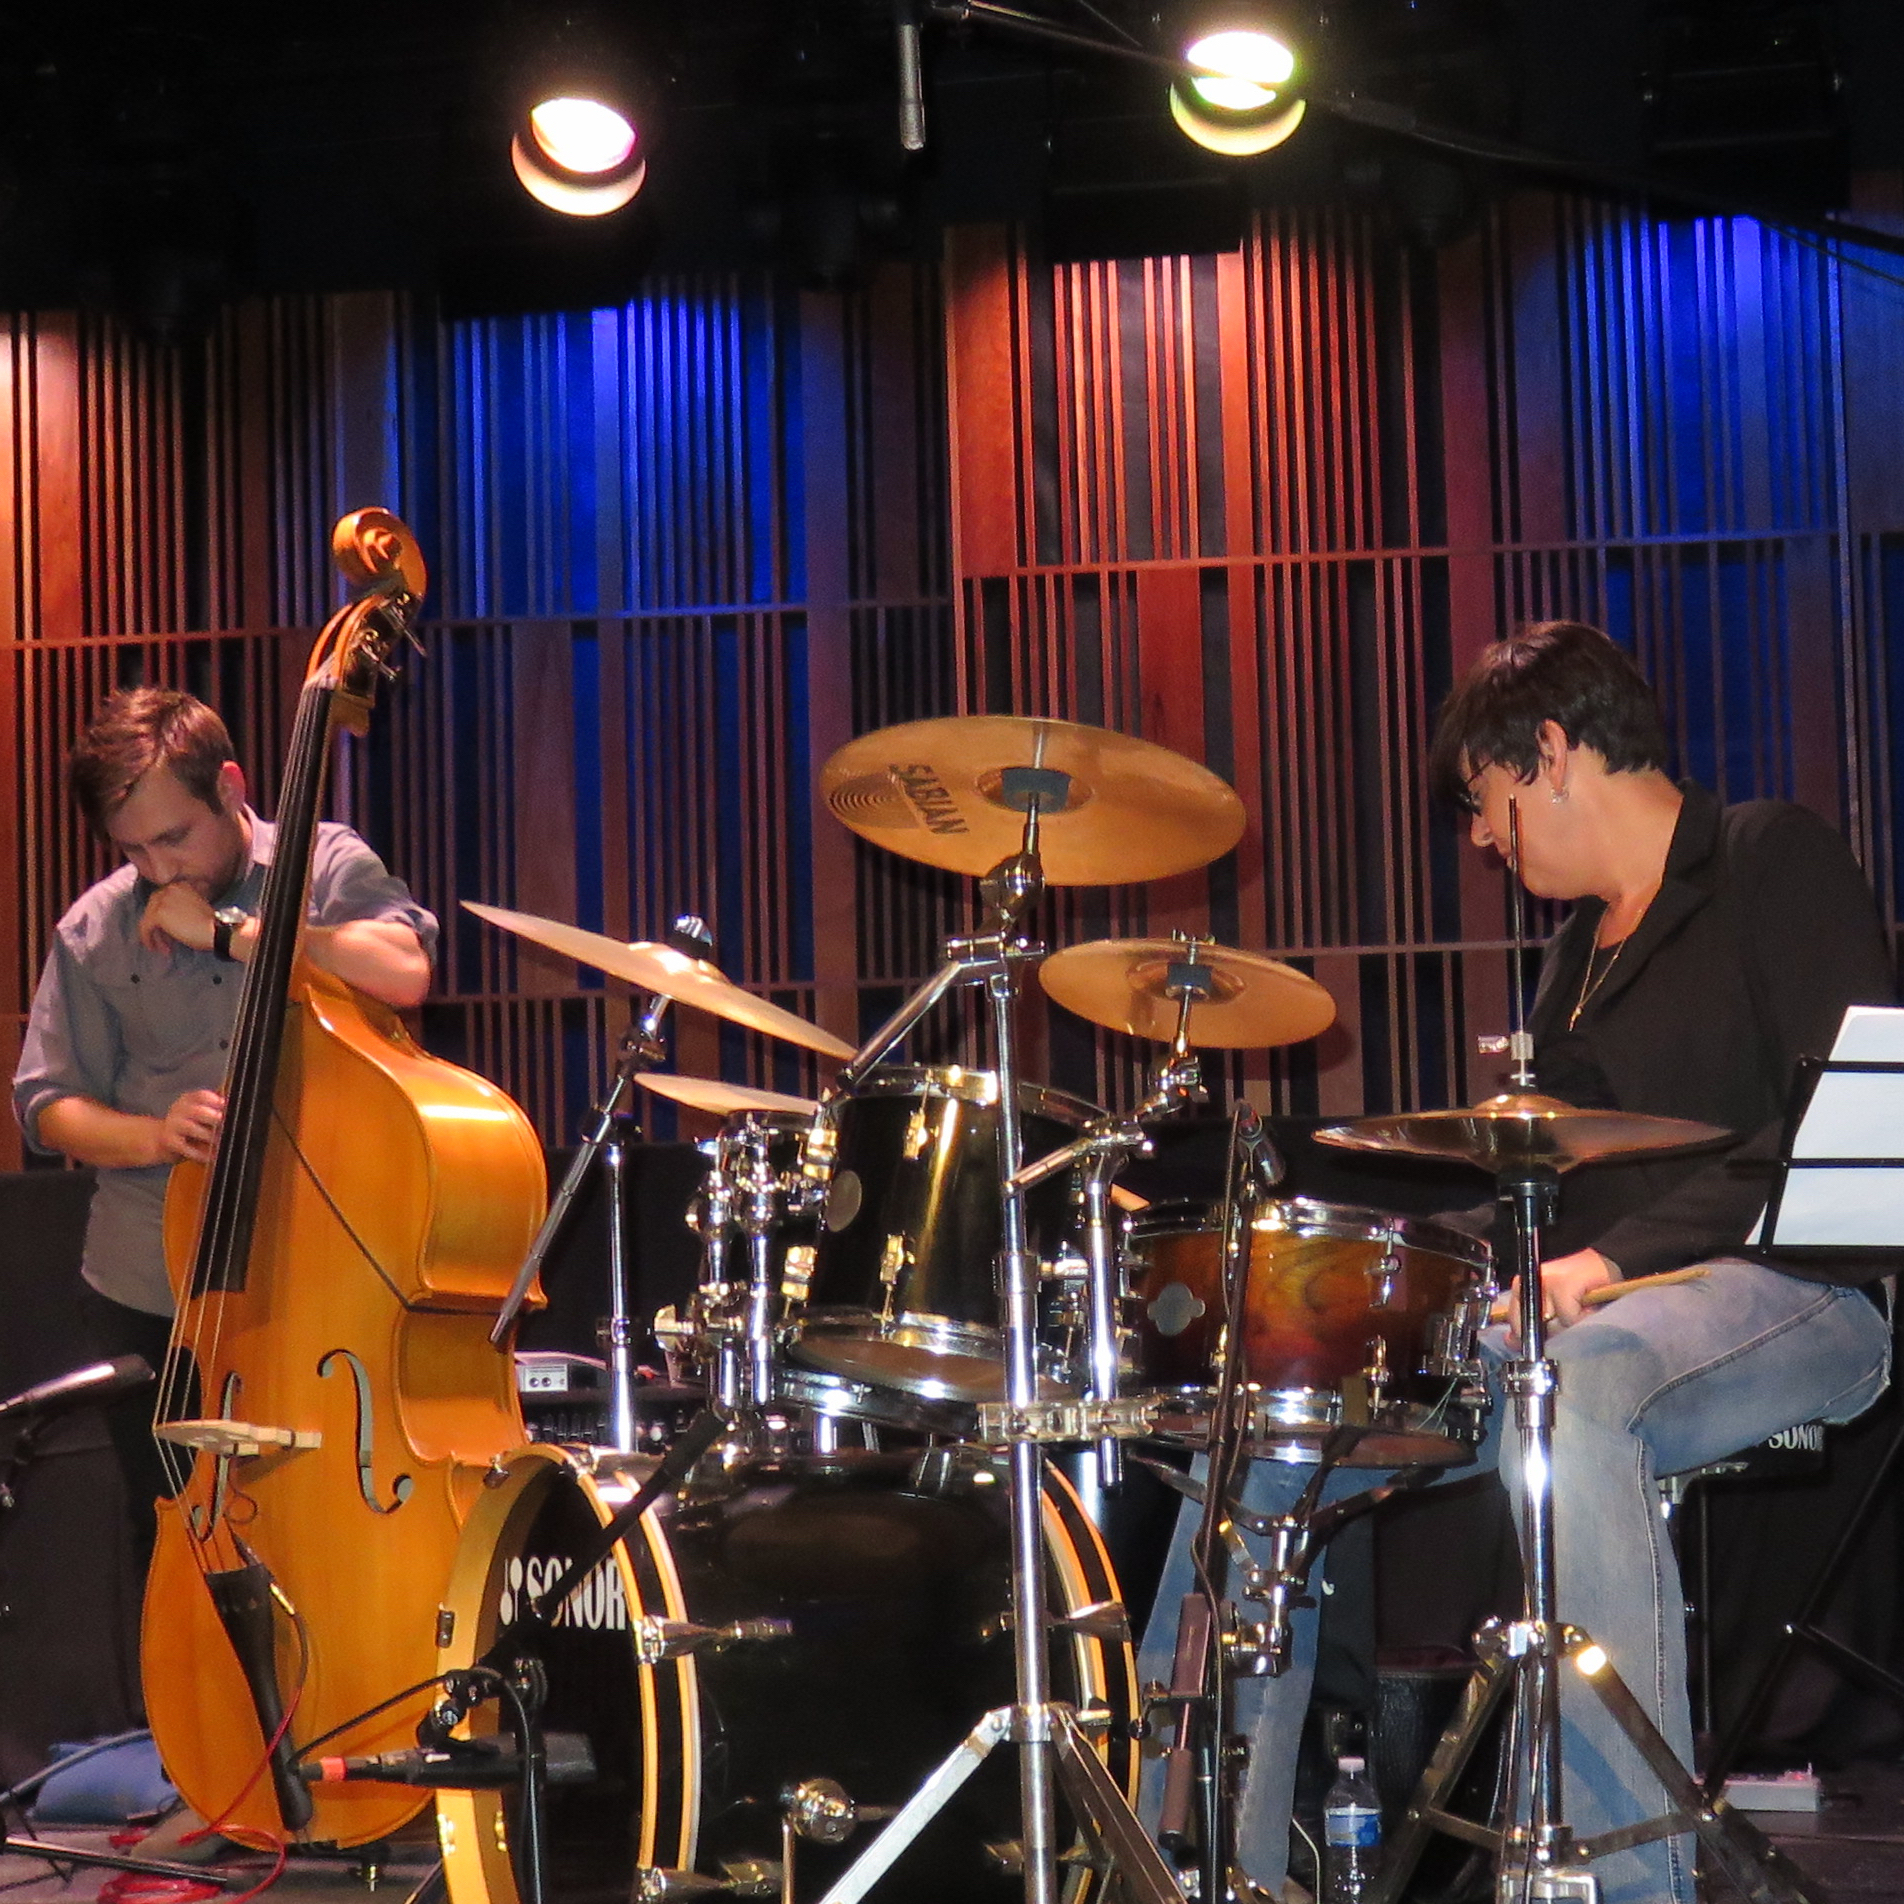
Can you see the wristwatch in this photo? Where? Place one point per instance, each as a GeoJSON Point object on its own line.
{"type": "Point", "coordinates": [225, 921]}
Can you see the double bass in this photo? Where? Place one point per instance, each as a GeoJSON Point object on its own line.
{"type": "Point", "coordinates": [330, 1399]}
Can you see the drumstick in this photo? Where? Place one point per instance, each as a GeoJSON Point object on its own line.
{"type": "Point", "coordinates": [1610, 1292]}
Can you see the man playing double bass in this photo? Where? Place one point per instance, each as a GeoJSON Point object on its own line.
{"type": "Point", "coordinates": [126, 1046]}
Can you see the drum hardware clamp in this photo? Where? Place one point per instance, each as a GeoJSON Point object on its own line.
{"type": "Point", "coordinates": [1000, 1423]}
{"type": "Point", "coordinates": [822, 1811]}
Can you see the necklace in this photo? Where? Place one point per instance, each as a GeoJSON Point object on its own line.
{"type": "Point", "coordinates": [1592, 980]}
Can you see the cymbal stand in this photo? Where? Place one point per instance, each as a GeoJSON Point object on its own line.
{"type": "Point", "coordinates": [641, 1050]}
{"type": "Point", "coordinates": [1102, 1150]}
{"type": "Point", "coordinates": [1537, 1853]}
{"type": "Point", "coordinates": [1052, 1747]}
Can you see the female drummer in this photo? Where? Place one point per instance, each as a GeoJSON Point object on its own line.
{"type": "Point", "coordinates": [1707, 950]}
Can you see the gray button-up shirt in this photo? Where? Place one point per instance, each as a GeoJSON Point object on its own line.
{"type": "Point", "coordinates": [133, 1029]}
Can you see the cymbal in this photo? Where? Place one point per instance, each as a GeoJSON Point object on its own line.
{"type": "Point", "coordinates": [660, 968]}
{"type": "Point", "coordinates": [712, 1094]}
{"type": "Point", "coordinates": [1522, 1127]}
{"type": "Point", "coordinates": [930, 790]}
{"type": "Point", "coordinates": [1122, 983]}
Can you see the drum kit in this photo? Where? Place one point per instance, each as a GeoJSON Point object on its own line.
{"type": "Point", "coordinates": [859, 1571]}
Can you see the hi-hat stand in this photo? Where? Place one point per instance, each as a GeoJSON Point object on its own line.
{"type": "Point", "coordinates": [1053, 1742]}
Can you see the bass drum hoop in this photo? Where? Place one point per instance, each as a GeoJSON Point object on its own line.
{"type": "Point", "coordinates": [472, 1826]}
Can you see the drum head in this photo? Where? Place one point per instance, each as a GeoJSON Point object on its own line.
{"type": "Point", "coordinates": [871, 1589]}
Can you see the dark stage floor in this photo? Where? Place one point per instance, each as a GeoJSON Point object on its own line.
{"type": "Point", "coordinates": [1853, 1849]}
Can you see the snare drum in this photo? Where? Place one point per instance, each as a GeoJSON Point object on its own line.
{"type": "Point", "coordinates": [904, 1291]}
{"type": "Point", "coordinates": [876, 1587]}
{"type": "Point", "coordinates": [1351, 1317]}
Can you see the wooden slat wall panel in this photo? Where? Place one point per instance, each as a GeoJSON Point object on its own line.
{"type": "Point", "coordinates": [1646, 425]}
{"type": "Point", "coordinates": [1258, 507]}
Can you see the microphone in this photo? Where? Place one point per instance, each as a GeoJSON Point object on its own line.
{"type": "Point", "coordinates": [1265, 1160]}
{"type": "Point", "coordinates": [912, 89]}
{"type": "Point", "coordinates": [97, 1382]}
{"type": "Point", "coordinates": [690, 936]}
{"type": "Point", "coordinates": [469, 1765]}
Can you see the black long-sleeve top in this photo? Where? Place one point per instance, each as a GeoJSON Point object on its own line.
{"type": "Point", "coordinates": [1762, 932]}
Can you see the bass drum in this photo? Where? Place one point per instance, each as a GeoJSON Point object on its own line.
{"type": "Point", "coordinates": [883, 1581]}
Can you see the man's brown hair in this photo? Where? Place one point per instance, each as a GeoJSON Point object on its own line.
{"type": "Point", "coordinates": [136, 730]}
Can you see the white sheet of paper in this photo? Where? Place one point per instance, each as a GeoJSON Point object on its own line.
{"type": "Point", "coordinates": [1855, 1114]}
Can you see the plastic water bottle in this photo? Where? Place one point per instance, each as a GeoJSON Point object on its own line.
{"type": "Point", "coordinates": [1352, 1835]}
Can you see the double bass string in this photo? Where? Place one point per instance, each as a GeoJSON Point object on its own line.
{"type": "Point", "coordinates": [224, 1230]}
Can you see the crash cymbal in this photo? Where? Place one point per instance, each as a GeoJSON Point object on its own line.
{"type": "Point", "coordinates": [1522, 1127]}
{"type": "Point", "coordinates": [660, 968]}
{"type": "Point", "coordinates": [1125, 984]}
{"type": "Point", "coordinates": [712, 1094]}
{"type": "Point", "coordinates": [933, 791]}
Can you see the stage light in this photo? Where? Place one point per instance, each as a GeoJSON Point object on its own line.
{"type": "Point", "coordinates": [579, 155]}
{"type": "Point", "coordinates": [583, 98]}
{"type": "Point", "coordinates": [1244, 98]}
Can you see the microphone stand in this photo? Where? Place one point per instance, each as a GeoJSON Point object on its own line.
{"type": "Point", "coordinates": [642, 1050]}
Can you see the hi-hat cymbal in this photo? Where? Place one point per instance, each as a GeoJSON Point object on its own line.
{"type": "Point", "coordinates": [933, 791]}
{"type": "Point", "coordinates": [713, 1094]}
{"type": "Point", "coordinates": [660, 968]}
{"type": "Point", "coordinates": [1520, 1128]}
{"type": "Point", "coordinates": [1127, 984]}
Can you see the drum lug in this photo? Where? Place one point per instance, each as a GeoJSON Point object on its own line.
{"type": "Point", "coordinates": [1101, 1620]}
{"type": "Point", "coordinates": [657, 1640]}
{"type": "Point", "coordinates": [656, 1885]}
{"type": "Point", "coordinates": [1377, 1375]}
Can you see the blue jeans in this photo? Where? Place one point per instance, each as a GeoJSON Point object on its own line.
{"type": "Point", "coordinates": [1659, 1382]}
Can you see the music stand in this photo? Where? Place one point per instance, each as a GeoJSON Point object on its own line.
{"type": "Point", "coordinates": [1793, 1230]}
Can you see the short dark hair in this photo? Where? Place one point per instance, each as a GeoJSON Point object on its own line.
{"type": "Point", "coordinates": [136, 730]}
{"type": "Point", "coordinates": [1561, 671]}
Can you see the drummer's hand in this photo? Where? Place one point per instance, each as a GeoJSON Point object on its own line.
{"type": "Point", "coordinates": [1565, 1281]}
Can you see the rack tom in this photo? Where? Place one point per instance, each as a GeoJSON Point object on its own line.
{"type": "Point", "coordinates": [1351, 1318]}
{"type": "Point", "coordinates": [904, 1290]}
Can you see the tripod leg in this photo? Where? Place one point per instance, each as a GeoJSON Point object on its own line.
{"type": "Point", "coordinates": [1427, 1812]}
{"type": "Point", "coordinates": [920, 1809]}
{"type": "Point", "coordinates": [1751, 1862]}
{"type": "Point", "coordinates": [1124, 1849]}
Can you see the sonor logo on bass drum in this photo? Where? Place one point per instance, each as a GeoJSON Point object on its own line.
{"type": "Point", "coordinates": [597, 1604]}
{"type": "Point", "coordinates": [1807, 1438]}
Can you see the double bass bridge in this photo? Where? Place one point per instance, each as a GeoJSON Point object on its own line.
{"type": "Point", "coordinates": [237, 1439]}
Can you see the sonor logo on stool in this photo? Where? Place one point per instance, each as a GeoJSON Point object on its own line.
{"type": "Point", "coordinates": [928, 797]}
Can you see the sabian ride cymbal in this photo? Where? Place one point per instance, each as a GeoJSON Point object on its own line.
{"type": "Point", "coordinates": [1522, 1127]}
{"type": "Point", "coordinates": [660, 968]}
{"type": "Point", "coordinates": [1126, 984]}
{"type": "Point", "coordinates": [713, 1094]}
{"type": "Point", "coordinates": [932, 791]}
